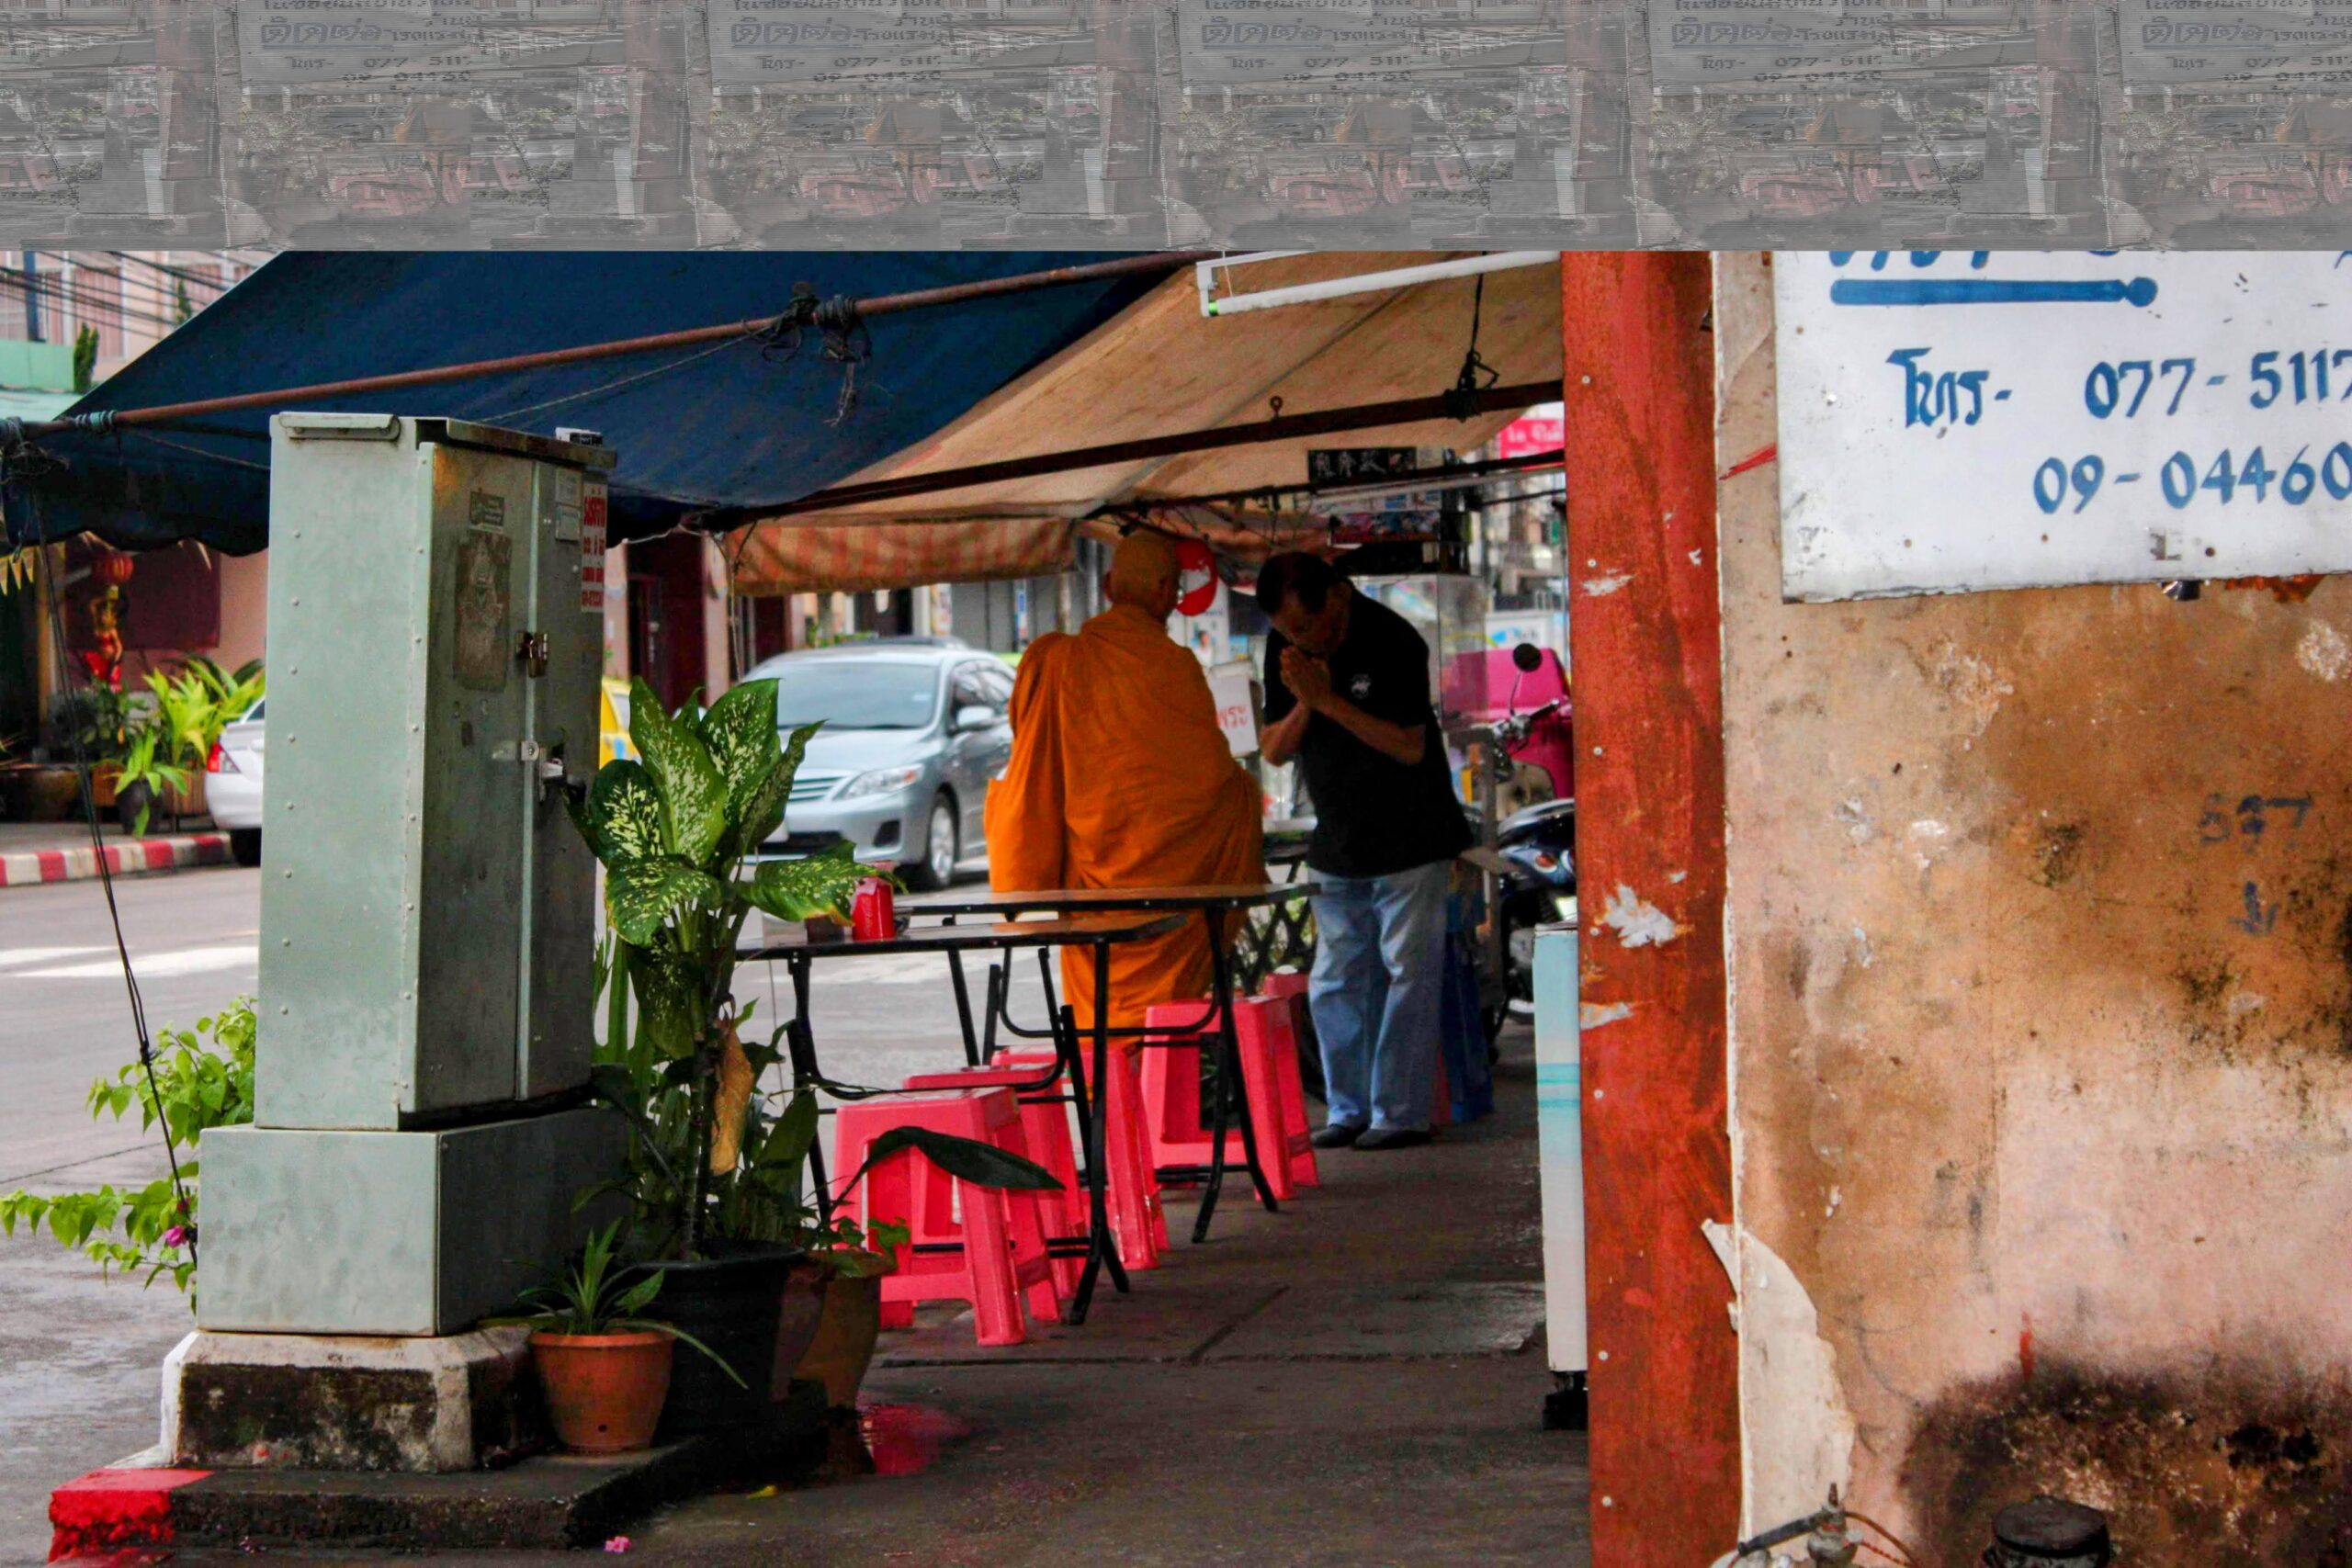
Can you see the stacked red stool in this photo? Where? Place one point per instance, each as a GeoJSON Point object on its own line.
{"type": "Point", "coordinates": [969, 1244]}
{"type": "Point", "coordinates": [1138, 1226]}
{"type": "Point", "coordinates": [1045, 1131]}
{"type": "Point", "coordinates": [1265, 1041]}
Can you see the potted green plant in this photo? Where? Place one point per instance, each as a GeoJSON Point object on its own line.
{"type": "Point", "coordinates": [145, 779]}
{"type": "Point", "coordinates": [193, 705]}
{"type": "Point", "coordinates": [87, 723]}
{"type": "Point", "coordinates": [715, 1171]}
{"type": "Point", "coordinates": [672, 832]}
{"type": "Point", "coordinates": [604, 1365]}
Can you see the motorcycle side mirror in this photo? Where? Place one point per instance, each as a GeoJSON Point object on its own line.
{"type": "Point", "coordinates": [1528, 656]}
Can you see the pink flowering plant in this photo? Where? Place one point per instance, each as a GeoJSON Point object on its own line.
{"type": "Point", "coordinates": [204, 1078]}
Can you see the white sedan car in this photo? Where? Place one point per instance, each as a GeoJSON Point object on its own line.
{"type": "Point", "coordinates": [232, 785]}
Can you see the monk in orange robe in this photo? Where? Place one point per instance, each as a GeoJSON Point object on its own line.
{"type": "Point", "coordinates": [1121, 778]}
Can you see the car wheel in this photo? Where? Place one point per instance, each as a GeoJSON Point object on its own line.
{"type": "Point", "coordinates": [244, 845]}
{"type": "Point", "coordinates": [940, 849]}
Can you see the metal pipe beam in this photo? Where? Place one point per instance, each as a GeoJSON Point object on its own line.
{"type": "Point", "coordinates": [1285, 427]}
{"type": "Point", "coordinates": [1528, 462]}
{"type": "Point", "coordinates": [1204, 273]}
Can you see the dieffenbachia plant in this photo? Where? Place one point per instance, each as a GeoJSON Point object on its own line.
{"type": "Point", "coordinates": [674, 832]}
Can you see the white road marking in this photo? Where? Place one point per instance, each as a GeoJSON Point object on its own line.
{"type": "Point", "coordinates": [154, 965]}
{"type": "Point", "coordinates": [11, 957]}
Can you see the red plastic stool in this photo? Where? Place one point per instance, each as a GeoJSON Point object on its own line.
{"type": "Point", "coordinates": [1172, 1089]}
{"type": "Point", "coordinates": [1045, 1131]}
{"type": "Point", "coordinates": [1294, 1140]}
{"type": "Point", "coordinates": [1285, 982]}
{"type": "Point", "coordinates": [1139, 1222]}
{"type": "Point", "coordinates": [1290, 986]}
{"type": "Point", "coordinates": [969, 1243]}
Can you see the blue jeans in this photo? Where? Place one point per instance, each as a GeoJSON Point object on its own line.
{"type": "Point", "coordinates": [1379, 980]}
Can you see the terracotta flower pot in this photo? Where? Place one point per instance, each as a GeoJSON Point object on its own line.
{"type": "Point", "coordinates": [846, 1333]}
{"type": "Point", "coordinates": [605, 1391]}
{"type": "Point", "coordinates": [796, 1327]}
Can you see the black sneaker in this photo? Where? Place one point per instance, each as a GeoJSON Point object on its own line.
{"type": "Point", "coordinates": [1336, 1136]}
{"type": "Point", "coordinates": [1394, 1138]}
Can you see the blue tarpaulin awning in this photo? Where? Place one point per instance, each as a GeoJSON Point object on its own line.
{"type": "Point", "coordinates": [739, 425]}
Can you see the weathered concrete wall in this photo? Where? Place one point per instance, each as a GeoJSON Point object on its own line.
{"type": "Point", "coordinates": [2040, 943]}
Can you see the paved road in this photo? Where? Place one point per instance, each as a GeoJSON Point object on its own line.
{"type": "Point", "coordinates": [79, 1356]}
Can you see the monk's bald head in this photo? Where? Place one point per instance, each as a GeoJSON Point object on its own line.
{"type": "Point", "coordinates": [1143, 574]}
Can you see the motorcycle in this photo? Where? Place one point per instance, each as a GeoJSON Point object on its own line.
{"type": "Point", "coordinates": [1536, 842]}
{"type": "Point", "coordinates": [1539, 847]}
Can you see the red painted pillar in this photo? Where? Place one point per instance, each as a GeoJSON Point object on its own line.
{"type": "Point", "coordinates": [1643, 629]}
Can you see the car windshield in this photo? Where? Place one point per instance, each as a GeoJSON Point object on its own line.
{"type": "Point", "coordinates": [848, 694]}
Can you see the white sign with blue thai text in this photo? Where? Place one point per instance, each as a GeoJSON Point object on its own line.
{"type": "Point", "coordinates": [1956, 421]}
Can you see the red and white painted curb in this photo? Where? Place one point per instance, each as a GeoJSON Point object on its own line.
{"type": "Point", "coordinates": [119, 1516]}
{"type": "Point", "coordinates": [129, 857]}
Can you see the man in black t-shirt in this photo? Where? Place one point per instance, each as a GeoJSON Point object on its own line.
{"type": "Point", "coordinates": [1348, 695]}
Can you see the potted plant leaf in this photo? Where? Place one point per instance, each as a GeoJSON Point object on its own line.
{"type": "Point", "coordinates": [604, 1365]}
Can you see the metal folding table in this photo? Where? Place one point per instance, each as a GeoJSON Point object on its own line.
{"type": "Point", "coordinates": [1101, 931]}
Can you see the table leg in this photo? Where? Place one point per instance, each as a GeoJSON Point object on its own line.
{"type": "Point", "coordinates": [1230, 1092]}
{"type": "Point", "coordinates": [964, 1009]}
{"type": "Point", "coordinates": [992, 1009]}
{"type": "Point", "coordinates": [801, 1041]}
{"type": "Point", "coordinates": [1100, 1252]}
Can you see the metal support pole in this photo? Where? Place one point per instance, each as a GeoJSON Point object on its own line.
{"type": "Point", "coordinates": [1100, 1252]}
{"type": "Point", "coordinates": [1230, 1094]}
{"type": "Point", "coordinates": [972, 1057]}
{"type": "Point", "coordinates": [802, 1042]}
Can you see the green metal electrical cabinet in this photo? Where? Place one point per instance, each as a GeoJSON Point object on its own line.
{"type": "Point", "coordinates": [436, 640]}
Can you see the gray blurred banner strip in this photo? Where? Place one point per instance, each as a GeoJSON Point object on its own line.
{"type": "Point", "coordinates": [1248, 124]}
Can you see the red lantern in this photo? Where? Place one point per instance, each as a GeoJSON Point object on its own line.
{"type": "Point", "coordinates": [111, 568]}
{"type": "Point", "coordinates": [1196, 575]}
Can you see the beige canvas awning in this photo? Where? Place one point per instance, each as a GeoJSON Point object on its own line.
{"type": "Point", "coordinates": [1159, 369]}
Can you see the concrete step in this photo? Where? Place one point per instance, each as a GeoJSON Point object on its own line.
{"type": "Point", "coordinates": [550, 1501]}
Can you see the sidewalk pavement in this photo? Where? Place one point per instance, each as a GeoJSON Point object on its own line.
{"type": "Point", "coordinates": [61, 851]}
{"type": "Point", "coordinates": [1358, 1379]}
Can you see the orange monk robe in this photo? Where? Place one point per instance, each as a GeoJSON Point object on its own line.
{"type": "Point", "coordinates": [1121, 778]}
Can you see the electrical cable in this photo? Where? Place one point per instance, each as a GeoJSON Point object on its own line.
{"type": "Point", "coordinates": [10, 444]}
{"type": "Point", "coordinates": [69, 296]}
{"type": "Point", "coordinates": [198, 451]}
{"type": "Point", "coordinates": [617, 383]}
{"type": "Point", "coordinates": [1911, 1557]}
{"type": "Point", "coordinates": [185, 277]}
{"type": "Point", "coordinates": [158, 289]}
{"type": "Point", "coordinates": [1476, 375]}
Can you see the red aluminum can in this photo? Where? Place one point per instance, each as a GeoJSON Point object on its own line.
{"type": "Point", "coordinates": [874, 917]}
